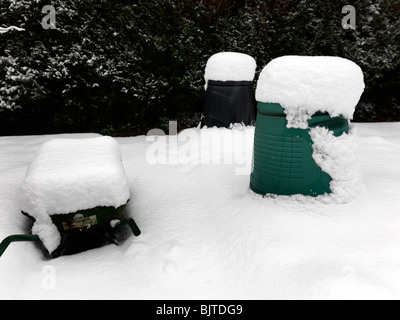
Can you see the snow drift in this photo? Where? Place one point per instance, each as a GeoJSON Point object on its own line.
{"type": "Point", "coordinates": [338, 156]}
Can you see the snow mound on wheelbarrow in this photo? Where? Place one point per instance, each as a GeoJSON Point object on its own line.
{"type": "Point", "coordinates": [69, 175]}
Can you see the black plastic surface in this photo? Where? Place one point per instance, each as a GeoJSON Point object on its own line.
{"type": "Point", "coordinates": [227, 103]}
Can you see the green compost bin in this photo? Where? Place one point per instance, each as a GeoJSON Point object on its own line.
{"type": "Point", "coordinates": [282, 160]}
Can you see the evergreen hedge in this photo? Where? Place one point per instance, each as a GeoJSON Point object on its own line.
{"type": "Point", "coordinates": [117, 66]}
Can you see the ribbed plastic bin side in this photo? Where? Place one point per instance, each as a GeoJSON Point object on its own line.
{"type": "Point", "coordinates": [282, 162]}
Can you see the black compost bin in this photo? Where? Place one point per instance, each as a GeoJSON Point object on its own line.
{"type": "Point", "coordinates": [229, 97]}
{"type": "Point", "coordinates": [228, 102]}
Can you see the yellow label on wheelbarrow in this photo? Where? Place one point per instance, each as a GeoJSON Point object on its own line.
{"type": "Point", "coordinates": [80, 222]}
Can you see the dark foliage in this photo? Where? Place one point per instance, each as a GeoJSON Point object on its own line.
{"type": "Point", "coordinates": [121, 65]}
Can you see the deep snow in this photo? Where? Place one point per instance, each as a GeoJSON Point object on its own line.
{"type": "Point", "coordinates": [205, 235]}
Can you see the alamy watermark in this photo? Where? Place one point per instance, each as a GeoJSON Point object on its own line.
{"type": "Point", "coordinates": [49, 21]}
{"type": "Point", "coordinates": [349, 21]}
{"type": "Point", "coordinates": [49, 278]}
{"type": "Point", "coordinates": [193, 147]}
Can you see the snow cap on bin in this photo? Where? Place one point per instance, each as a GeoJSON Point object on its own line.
{"type": "Point", "coordinates": [306, 85]}
{"type": "Point", "coordinates": [230, 66]}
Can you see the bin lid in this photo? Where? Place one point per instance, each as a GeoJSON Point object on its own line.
{"type": "Point", "coordinates": [230, 66]}
{"type": "Point", "coordinates": [305, 85]}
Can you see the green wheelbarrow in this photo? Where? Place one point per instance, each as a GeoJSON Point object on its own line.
{"type": "Point", "coordinates": [75, 192]}
{"type": "Point", "coordinates": [82, 231]}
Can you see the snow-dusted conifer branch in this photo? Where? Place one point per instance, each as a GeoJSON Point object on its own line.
{"type": "Point", "coordinates": [4, 30]}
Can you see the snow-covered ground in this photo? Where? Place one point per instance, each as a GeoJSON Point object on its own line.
{"type": "Point", "coordinates": [205, 235]}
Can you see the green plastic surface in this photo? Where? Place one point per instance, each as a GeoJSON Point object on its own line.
{"type": "Point", "coordinates": [282, 160]}
{"type": "Point", "coordinates": [16, 238]}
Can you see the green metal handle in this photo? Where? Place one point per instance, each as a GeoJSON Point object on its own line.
{"type": "Point", "coordinates": [132, 224]}
{"type": "Point", "coordinates": [16, 238]}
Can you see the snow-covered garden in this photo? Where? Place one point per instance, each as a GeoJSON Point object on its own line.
{"type": "Point", "coordinates": [275, 193]}
{"type": "Point", "coordinates": [205, 235]}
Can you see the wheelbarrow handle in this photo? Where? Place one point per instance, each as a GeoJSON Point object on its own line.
{"type": "Point", "coordinates": [17, 238]}
{"type": "Point", "coordinates": [132, 224]}
{"type": "Point", "coordinates": [34, 238]}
